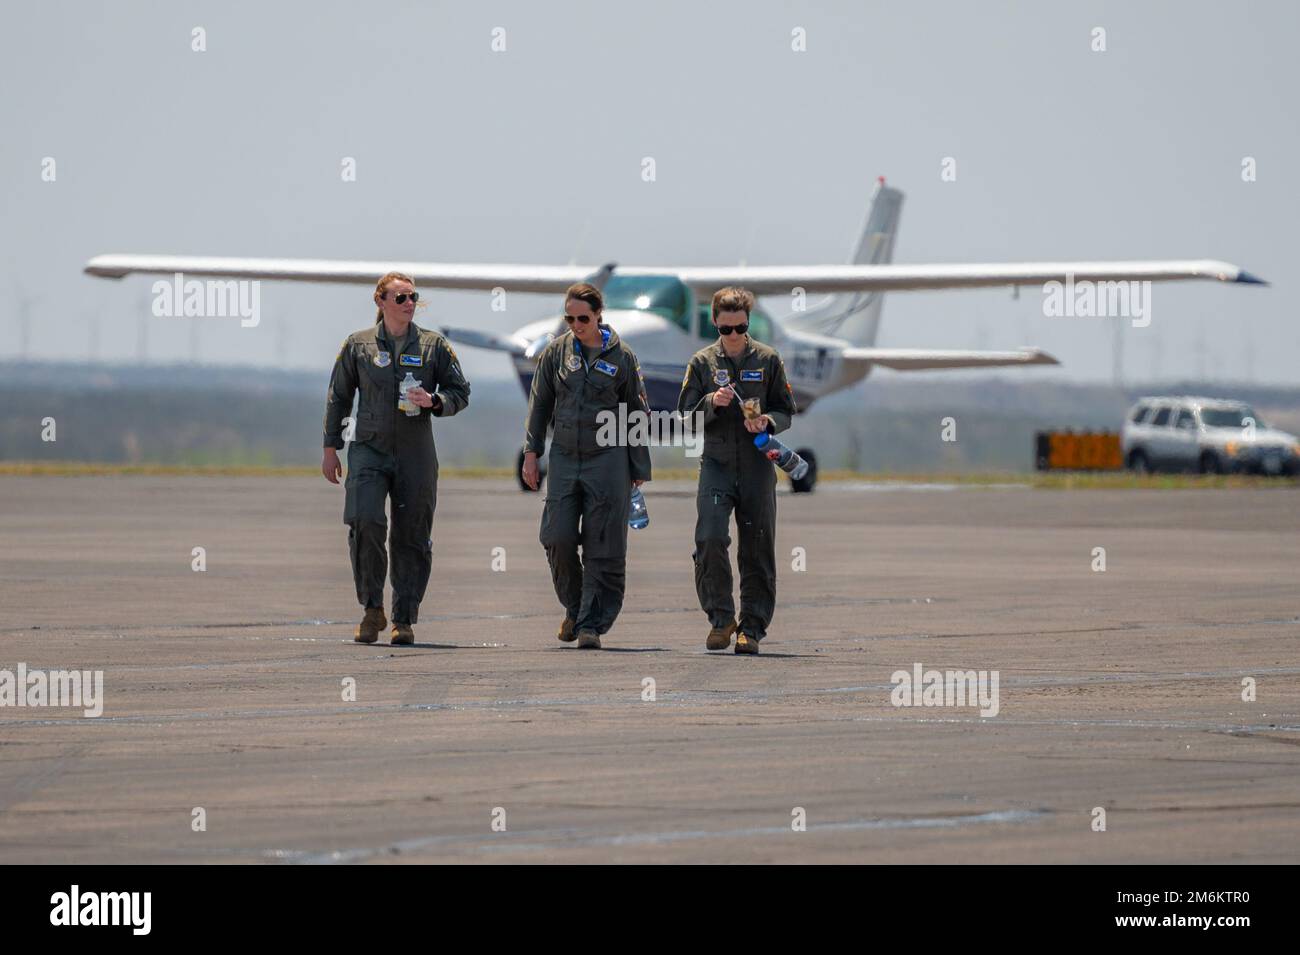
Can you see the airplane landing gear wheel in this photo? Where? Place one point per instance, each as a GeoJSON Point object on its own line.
{"type": "Point", "coordinates": [806, 483]}
{"type": "Point", "coordinates": [519, 472]}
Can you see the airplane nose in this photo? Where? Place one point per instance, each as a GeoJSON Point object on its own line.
{"type": "Point", "coordinates": [536, 345]}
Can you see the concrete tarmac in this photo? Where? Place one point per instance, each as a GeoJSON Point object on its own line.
{"type": "Point", "coordinates": [1119, 690]}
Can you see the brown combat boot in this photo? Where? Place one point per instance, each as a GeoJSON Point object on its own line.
{"type": "Point", "coordinates": [566, 633]}
{"type": "Point", "coordinates": [370, 625]}
{"type": "Point", "coordinates": [720, 637]}
{"type": "Point", "coordinates": [746, 644]}
{"type": "Point", "coordinates": [403, 635]}
{"type": "Point", "coordinates": [588, 640]}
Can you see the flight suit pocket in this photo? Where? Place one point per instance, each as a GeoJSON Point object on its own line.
{"type": "Point", "coordinates": [367, 426]}
{"type": "Point", "coordinates": [422, 373]}
{"type": "Point", "coordinates": [604, 528]}
{"type": "Point", "coordinates": [366, 487]}
{"type": "Point", "coordinates": [559, 526]}
{"type": "Point", "coordinates": [713, 506]}
{"type": "Point", "coordinates": [602, 395]}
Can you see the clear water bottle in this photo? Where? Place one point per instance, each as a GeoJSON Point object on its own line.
{"type": "Point", "coordinates": [404, 403]}
{"type": "Point", "coordinates": [637, 515]}
{"type": "Point", "coordinates": [785, 459]}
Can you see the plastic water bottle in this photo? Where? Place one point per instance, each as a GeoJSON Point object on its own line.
{"type": "Point", "coordinates": [403, 403]}
{"type": "Point", "coordinates": [785, 459]}
{"type": "Point", "coordinates": [637, 515]}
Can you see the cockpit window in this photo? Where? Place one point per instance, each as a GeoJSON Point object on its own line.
{"type": "Point", "coordinates": [661, 294]}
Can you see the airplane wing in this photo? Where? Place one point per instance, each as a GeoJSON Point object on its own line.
{"type": "Point", "coordinates": [515, 278]}
{"type": "Point", "coordinates": [761, 279]}
{"type": "Point", "coordinates": [918, 359]}
{"type": "Point", "coordinates": [482, 339]}
{"type": "Point", "coordinates": [780, 279]}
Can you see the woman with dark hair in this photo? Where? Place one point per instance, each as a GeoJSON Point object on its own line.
{"type": "Point", "coordinates": [582, 377]}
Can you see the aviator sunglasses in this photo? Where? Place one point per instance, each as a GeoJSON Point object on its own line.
{"type": "Point", "coordinates": [401, 297]}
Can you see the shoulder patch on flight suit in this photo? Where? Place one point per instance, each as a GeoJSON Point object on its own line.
{"type": "Point", "coordinates": [721, 376]}
{"type": "Point", "coordinates": [383, 359]}
{"type": "Point", "coordinates": [413, 360]}
{"type": "Point", "coordinates": [606, 367]}
{"type": "Point", "coordinates": [752, 374]}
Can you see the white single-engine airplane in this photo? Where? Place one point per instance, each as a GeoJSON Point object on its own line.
{"type": "Point", "coordinates": [663, 312]}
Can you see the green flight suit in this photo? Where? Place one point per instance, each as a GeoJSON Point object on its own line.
{"type": "Point", "coordinates": [589, 478]}
{"type": "Point", "coordinates": [736, 476]}
{"type": "Point", "coordinates": [392, 457]}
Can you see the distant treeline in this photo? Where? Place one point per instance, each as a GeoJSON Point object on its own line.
{"type": "Point", "coordinates": [241, 416]}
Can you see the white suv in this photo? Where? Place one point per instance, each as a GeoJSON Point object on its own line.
{"type": "Point", "coordinates": [1209, 435]}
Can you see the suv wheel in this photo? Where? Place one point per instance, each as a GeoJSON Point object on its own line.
{"type": "Point", "coordinates": [1138, 462]}
{"type": "Point", "coordinates": [1210, 463]}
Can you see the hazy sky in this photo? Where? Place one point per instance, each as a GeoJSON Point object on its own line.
{"type": "Point", "coordinates": [534, 155]}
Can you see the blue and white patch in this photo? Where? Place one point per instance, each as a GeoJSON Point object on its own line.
{"type": "Point", "coordinates": [754, 374]}
{"type": "Point", "coordinates": [415, 361]}
{"type": "Point", "coordinates": [383, 359]}
{"type": "Point", "coordinates": [722, 377]}
{"type": "Point", "coordinates": [606, 367]}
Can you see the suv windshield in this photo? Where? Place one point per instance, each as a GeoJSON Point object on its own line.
{"type": "Point", "coordinates": [1229, 417]}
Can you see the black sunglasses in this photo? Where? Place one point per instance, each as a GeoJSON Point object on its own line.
{"type": "Point", "coordinates": [401, 297]}
{"type": "Point", "coordinates": [577, 318]}
{"type": "Point", "coordinates": [738, 329]}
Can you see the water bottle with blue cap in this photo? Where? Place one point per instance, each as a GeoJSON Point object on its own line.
{"type": "Point", "coordinates": [787, 460]}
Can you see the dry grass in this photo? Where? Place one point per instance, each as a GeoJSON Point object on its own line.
{"type": "Point", "coordinates": [1053, 480]}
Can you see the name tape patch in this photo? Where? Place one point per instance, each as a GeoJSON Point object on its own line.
{"type": "Point", "coordinates": [754, 374]}
{"type": "Point", "coordinates": [415, 361]}
{"type": "Point", "coordinates": [606, 367]}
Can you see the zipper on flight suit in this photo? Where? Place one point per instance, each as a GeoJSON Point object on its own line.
{"type": "Point", "coordinates": [586, 378]}
{"type": "Point", "coordinates": [735, 390]}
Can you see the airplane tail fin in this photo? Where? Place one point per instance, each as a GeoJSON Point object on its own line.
{"type": "Point", "coordinates": [855, 316]}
